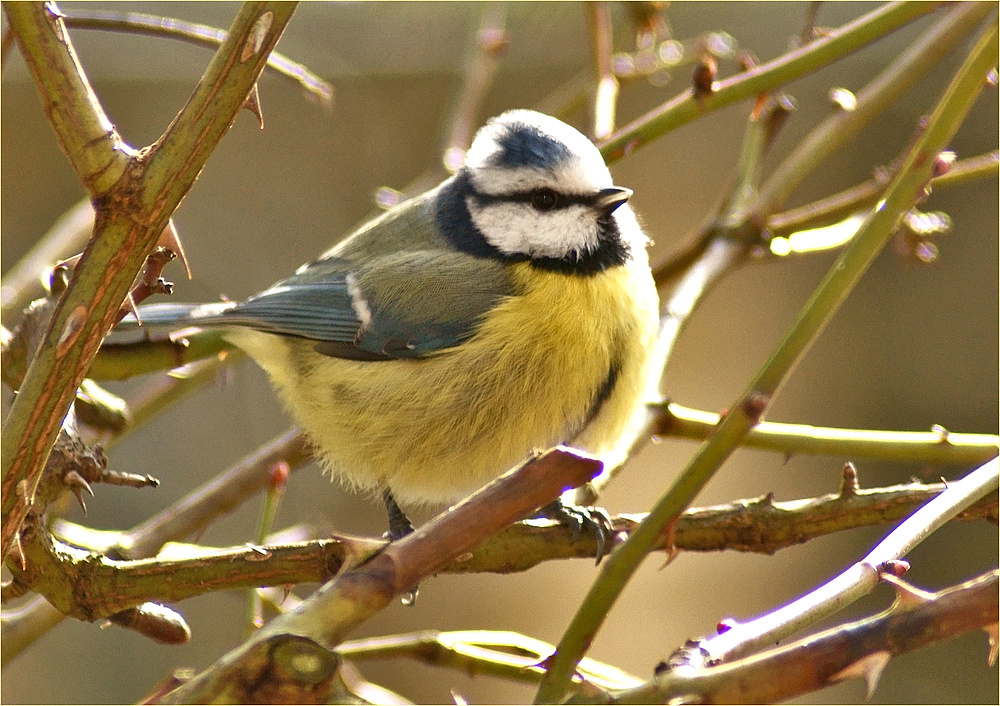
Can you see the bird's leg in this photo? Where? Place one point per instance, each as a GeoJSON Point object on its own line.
{"type": "Point", "coordinates": [399, 523]}
{"type": "Point", "coordinates": [399, 527]}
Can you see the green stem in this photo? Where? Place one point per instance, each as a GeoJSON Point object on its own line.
{"type": "Point", "coordinates": [84, 132]}
{"type": "Point", "coordinates": [67, 236]}
{"type": "Point", "coordinates": [121, 361]}
{"type": "Point", "coordinates": [902, 193]}
{"type": "Point", "coordinates": [937, 446]}
{"type": "Point", "coordinates": [832, 209]}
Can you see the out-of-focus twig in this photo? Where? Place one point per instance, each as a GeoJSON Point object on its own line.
{"type": "Point", "coordinates": [838, 43]}
{"type": "Point", "coordinates": [489, 43]}
{"type": "Point", "coordinates": [878, 94]}
{"type": "Point", "coordinates": [23, 282]}
{"type": "Point", "coordinates": [508, 655]}
{"type": "Point", "coordinates": [833, 208]}
{"type": "Point", "coordinates": [605, 97]}
{"type": "Point", "coordinates": [193, 33]}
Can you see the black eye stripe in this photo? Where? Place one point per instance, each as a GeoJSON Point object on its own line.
{"type": "Point", "coordinates": [529, 197]}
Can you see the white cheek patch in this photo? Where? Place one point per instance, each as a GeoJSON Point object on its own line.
{"type": "Point", "coordinates": [518, 229]}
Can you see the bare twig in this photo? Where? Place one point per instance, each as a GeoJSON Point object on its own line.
{"type": "Point", "coordinates": [785, 68]}
{"type": "Point", "coordinates": [856, 650]}
{"type": "Point", "coordinates": [508, 655]}
{"type": "Point", "coordinates": [87, 586]}
{"type": "Point", "coordinates": [192, 513]}
{"type": "Point", "coordinates": [188, 516]}
{"type": "Point", "coordinates": [193, 33]}
{"type": "Point", "coordinates": [23, 282]}
{"type": "Point", "coordinates": [605, 97]}
{"type": "Point", "coordinates": [125, 234]}
{"type": "Point", "coordinates": [862, 197]}
{"type": "Point", "coordinates": [882, 91]}
{"type": "Point", "coordinates": [489, 44]}
{"type": "Point", "coordinates": [856, 581]}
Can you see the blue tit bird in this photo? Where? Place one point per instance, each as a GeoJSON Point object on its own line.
{"type": "Point", "coordinates": [508, 309]}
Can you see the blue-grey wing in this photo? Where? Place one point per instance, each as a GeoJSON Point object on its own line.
{"type": "Point", "coordinates": [401, 305]}
{"type": "Point", "coordinates": [321, 311]}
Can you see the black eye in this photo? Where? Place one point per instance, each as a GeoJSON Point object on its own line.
{"type": "Point", "coordinates": [544, 199]}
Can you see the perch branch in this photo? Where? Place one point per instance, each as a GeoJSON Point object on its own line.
{"type": "Point", "coordinates": [256, 668]}
{"type": "Point", "coordinates": [87, 586]}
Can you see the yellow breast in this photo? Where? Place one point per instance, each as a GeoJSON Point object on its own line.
{"type": "Point", "coordinates": [437, 428]}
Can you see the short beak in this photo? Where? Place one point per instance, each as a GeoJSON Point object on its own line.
{"type": "Point", "coordinates": [609, 199]}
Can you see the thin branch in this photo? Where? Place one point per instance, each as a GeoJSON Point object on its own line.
{"type": "Point", "coordinates": [254, 669]}
{"type": "Point", "coordinates": [824, 138]}
{"type": "Point", "coordinates": [481, 67]}
{"type": "Point", "coordinates": [480, 70]}
{"type": "Point", "coordinates": [788, 67]}
{"type": "Point", "coordinates": [605, 97]}
{"type": "Point", "coordinates": [192, 513]}
{"type": "Point", "coordinates": [23, 282]}
{"type": "Point", "coordinates": [508, 655]}
{"type": "Point", "coordinates": [938, 446]}
{"type": "Point", "coordinates": [186, 517]}
{"type": "Point", "coordinates": [121, 361]}
{"type": "Point", "coordinates": [6, 42]}
{"type": "Point", "coordinates": [855, 650]}
{"type": "Point", "coordinates": [857, 581]}
{"type": "Point", "coordinates": [749, 408]}
{"type": "Point", "coordinates": [193, 33]}
{"type": "Point", "coordinates": [880, 93]}
{"type": "Point", "coordinates": [73, 575]}
{"type": "Point", "coordinates": [25, 624]}
{"type": "Point", "coordinates": [85, 134]}
{"type": "Point", "coordinates": [864, 196]}
{"type": "Point", "coordinates": [726, 247]}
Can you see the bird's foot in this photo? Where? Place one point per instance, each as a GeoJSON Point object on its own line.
{"type": "Point", "coordinates": [594, 520]}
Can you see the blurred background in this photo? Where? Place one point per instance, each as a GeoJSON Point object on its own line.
{"type": "Point", "coordinates": [913, 346]}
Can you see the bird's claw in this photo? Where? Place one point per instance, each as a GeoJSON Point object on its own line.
{"type": "Point", "coordinates": [594, 519]}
